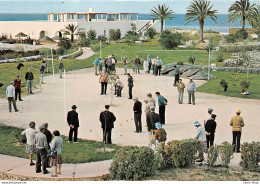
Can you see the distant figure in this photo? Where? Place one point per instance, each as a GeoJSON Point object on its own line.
{"type": "Point", "coordinates": [149, 63]}
{"type": "Point", "coordinates": [153, 60]}
{"type": "Point", "coordinates": [30, 141]}
{"type": "Point", "coordinates": [17, 86]}
{"type": "Point", "coordinates": [151, 99]}
{"type": "Point", "coordinates": [137, 64]}
{"type": "Point", "coordinates": [57, 144]}
{"type": "Point", "coordinates": [177, 75]}
{"type": "Point", "coordinates": [191, 88]}
{"type": "Point", "coordinates": [181, 87]}
{"type": "Point", "coordinates": [130, 85]}
{"type": "Point", "coordinates": [119, 87]}
{"type": "Point", "coordinates": [114, 61]}
{"type": "Point", "coordinates": [107, 120]}
{"type": "Point", "coordinates": [125, 64]}
{"type": "Point", "coordinates": [105, 62]}
{"type": "Point", "coordinates": [146, 66]}
{"type": "Point", "coordinates": [100, 66]}
{"type": "Point", "coordinates": [210, 128]}
{"type": "Point", "coordinates": [41, 151]}
{"type": "Point", "coordinates": [237, 123]}
{"type": "Point", "coordinates": [160, 134]}
{"type": "Point", "coordinates": [151, 119]}
{"type": "Point", "coordinates": [61, 67]}
{"type": "Point", "coordinates": [42, 71]}
{"type": "Point", "coordinates": [161, 103]}
{"type": "Point", "coordinates": [49, 138]}
{"type": "Point", "coordinates": [29, 79]}
{"type": "Point", "coordinates": [208, 116]}
{"type": "Point", "coordinates": [73, 121]}
{"type": "Point", "coordinates": [109, 65]}
{"type": "Point", "coordinates": [201, 136]}
{"type": "Point", "coordinates": [103, 80]}
{"type": "Point", "coordinates": [10, 94]}
{"type": "Point", "coordinates": [96, 62]}
{"type": "Point", "coordinates": [137, 115]}
{"type": "Point", "coordinates": [158, 63]}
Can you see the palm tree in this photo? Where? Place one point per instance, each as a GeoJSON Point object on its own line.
{"type": "Point", "coordinates": [241, 9]}
{"type": "Point", "coordinates": [70, 29]}
{"type": "Point", "coordinates": [200, 10]}
{"type": "Point", "coordinates": [162, 12]}
{"type": "Point", "coordinates": [254, 19]}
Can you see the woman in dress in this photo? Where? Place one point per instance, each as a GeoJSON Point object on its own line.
{"type": "Point", "coordinates": [57, 145]}
{"type": "Point", "coordinates": [146, 66]}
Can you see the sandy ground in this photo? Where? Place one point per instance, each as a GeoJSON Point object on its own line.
{"type": "Point", "coordinates": [82, 88]}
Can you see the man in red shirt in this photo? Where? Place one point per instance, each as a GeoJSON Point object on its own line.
{"type": "Point", "coordinates": [17, 85]}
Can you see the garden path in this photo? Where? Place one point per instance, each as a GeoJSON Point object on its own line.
{"type": "Point", "coordinates": [87, 53]}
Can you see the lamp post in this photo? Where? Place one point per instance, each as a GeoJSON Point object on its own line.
{"type": "Point", "coordinates": [209, 65]}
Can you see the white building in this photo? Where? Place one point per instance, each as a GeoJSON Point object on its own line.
{"type": "Point", "coordinates": [99, 21]}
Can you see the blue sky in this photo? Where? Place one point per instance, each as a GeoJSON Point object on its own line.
{"type": "Point", "coordinates": [139, 6]}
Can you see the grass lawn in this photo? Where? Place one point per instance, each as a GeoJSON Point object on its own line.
{"type": "Point", "coordinates": [85, 151]}
{"type": "Point", "coordinates": [234, 88]}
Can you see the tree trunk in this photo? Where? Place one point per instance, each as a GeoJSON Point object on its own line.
{"type": "Point", "coordinates": [201, 22]}
{"type": "Point", "coordinates": [243, 23]}
{"type": "Point", "coordinates": [161, 25]}
{"type": "Point", "coordinates": [71, 37]}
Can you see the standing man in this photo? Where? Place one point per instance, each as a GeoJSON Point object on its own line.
{"type": "Point", "coordinates": [180, 87]}
{"type": "Point", "coordinates": [137, 64]}
{"type": "Point", "coordinates": [201, 136]}
{"type": "Point", "coordinates": [237, 123]}
{"type": "Point", "coordinates": [158, 63]}
{"type": "Point", "coordinates": [61, 67]}
{"type": "Point", "coordinates": [210, 128]}
{"type": "Point", "coordinates": [100, 66]}
{"type": "Point", "coordinates": [191, 88]}
{"type": "Point", "coordinates": [109, 65]}
{"type": "Point", "coordinates": [161, 102]}
{"type": "Point", "coordinates": [17, 86]}
{"type": "Point", "coordinates": [148, 106]}
{"type": "Point", "coordinates": [149, 63]}
{"type": "Point", "coordinates": [177, 75]}
{"type": "Point", "coordinates": [49, 138]}
{"type": "Point", "coordinates": [151, 99]}
{"type": "Point", "coordinates": [105, 62]}
{"type": "Point", "coordinates": [153, 60]}
{"type": "Point", "coordinates": [10, 94]}
{"type": "Point", "coordinates": [151, 119]}
{"type": "Point", "coordinates": [29, 79]}
{"type": "Point", "coordinates": [42, 71]}
{"type": "Point", "coordinates": [119, 87]}
{"type": "Point", "coordinates": [96, 62]}
{"type": "Point", "coordinates": [73, 121]}
{"type": "Point", "coordinates": [208, 116]}
{"type": "Point", "coordinates": [107, 120]}
{"type": "Point", "coordinates": [41, 151]}
{"type": "Point", "coordinates": [103, 80]}
{"type": "Point", "coordinates": [130, 85]}
{"type": "Point", "coordinates": [125, 64]}
{"type": "Point", "coordinates": [137, 115]}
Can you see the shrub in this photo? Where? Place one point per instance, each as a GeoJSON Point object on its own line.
{"type": "Point", "coordinates": [230, 38]}
{"type": "Point", "coordinates": [241, 35]}
{"type": "Point", "coordinates": [150, 33]}
{"type": "Point", "coordinates": [250, 155]}
{"type": "Point", "coordinates": [114, 34]}
{"type": "Point", "coordinates": [60, 51]}
{"type": "Point", "coordinates": [224, 84]}
{"type": "Point", "coordinates": [226, 153]}
{"type": "Point", "coordinates": [101, 38]}
{"type": "Point", "coordinates": [132, 163]}
{"type": "Point", "coordinates": [65, 43]}
{"type": "Point", "coordinates": [212, 155]}
{"type": "Point", "coordinates": [220, 58]}
{"type": "Point", "coordinates": [94, 46]}
{"type": "Point", "coordinates": [92, 34]}
{"type": "Point", "coordinates": [244, 85]}
{"type": "Point", "coordinates": [170, 40]}
{"type": "Point", "coordinates": [85, 42]}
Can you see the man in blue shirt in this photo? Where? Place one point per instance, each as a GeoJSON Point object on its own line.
{"type": "Point", "coordinates": [96, 62]}
{"type": "Point", "coordinates": [158, 64]}
{"type": "Point", "coordinates": [161, 103]}
{"type": "Point", "coordinates": [149, 63]}
{"type": "Point", "coordinates": [191, 88]}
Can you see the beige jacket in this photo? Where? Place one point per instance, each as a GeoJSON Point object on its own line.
{"type": "Point", "coordinates": [237, 122]}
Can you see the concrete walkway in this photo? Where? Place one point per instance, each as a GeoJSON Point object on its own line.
{"type": "Point", "coordinates": [87, 53]}
{"type": "Point", "coordinates": [20, 167]}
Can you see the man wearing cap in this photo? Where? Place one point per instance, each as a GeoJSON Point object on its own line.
{"type": "Point", "coordinates": [96, 62]}
{"type": "Point", "coordinates": [210, 128]}
{"type": "Point", "coordinates": [10, 94]}
{"type": "Point", "coordinates": [17, 86]}
{"type": "Point", "coordinates": [41, 151]}
{"type": "Point", "coordinates": [151, 99]}
{"type": "Point", "coordinates": [130, 85]}
{"type": "Point", "coordinates": [151, 119]}
{"type": "Point", "coordinates": [49, 138]}
{"type": "Point", "coordinates": [137, 115]}
{"type": "Point", "coordinates": [208, 115]}
{"type": "Point", "coordinates": [161, 103]}
{"type": "Point", "coordinates": [180, 87]}
{"type": "Point", "coordinates": [191, 88]}
{"type": "Point", "coordinates": [73, 121]}
{"type": "Point", "coordinates": [125, 64]}
{"type": "Point", "coordinates": [29, 79]}
{"type": "Point", "coordinates": [237, 123]}
{"type": "Point", "coordinates": [158, 66]}
{"type": "Point", "coordinates": [177, 75]}
{"type": "Point", "coordinates": [61, 67]}
{"type": "Point", "coordinates": [42, 71]}
{"type": "Point", "coordinates": [201, 136]}
{"type": "Point", "coordinates": [107, 120]}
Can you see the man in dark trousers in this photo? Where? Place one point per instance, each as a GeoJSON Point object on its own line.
{"type": "Point", "coordinates": [151, 119]}
{"type": "Point", "coordinates": [17, 86]}
{"type": "Point", "coordinates": [138, 115]}
{"type": "Point", "coordinates": [73, 121]}
{"type": "Point", "coordinates": [177, 75]}
{"type": "Point", "coordinates": [49, 138]}
{"type": "Point", "coordinates": [137, 64]}
{"type": "Point", "coordinates": [130, 85]}
{"type": "Point", "coordinates": [107, 120]}
{"type": "Point", "coordinates": [161, 103]}
{"type": "Point", "coordinates": [210, 128]}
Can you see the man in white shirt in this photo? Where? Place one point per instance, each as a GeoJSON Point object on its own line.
{"type": "Point", "coordinates": [10, 94]}
{"type": "Point", "coordinates": [208, 116]}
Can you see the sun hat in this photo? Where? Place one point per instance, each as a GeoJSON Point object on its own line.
{"type": "Point", "coordinates": [238, 111]}
{"type": "Point", "coordinates": [149, 94]}
{"type": "Point", "coordinates": [41, 128]}
{"type": "Point", "coordinates": [158, 125]}
{"type": "Point", "coordinates": [74, 107]}
{"type": "Point", "coordinates": [12, 82]}
{"type": "Point", "coordinates": [45, 125]}
{"type": "Point", "coordinates": [196, 123]}
{"type": "Point", "coordinates": [107, 106]}
{"type": "Point", "coordinates": [210, 109]}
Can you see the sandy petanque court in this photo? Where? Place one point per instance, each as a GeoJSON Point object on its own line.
{"type": "Point", "coordinates": [51, 104]}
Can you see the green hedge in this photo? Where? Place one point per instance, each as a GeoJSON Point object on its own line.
{"type": "Point", "coordinates": [239, 48]}
{"type": "Point", "coordinates": [250, 156]}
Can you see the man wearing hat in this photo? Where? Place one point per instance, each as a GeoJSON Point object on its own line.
{"type": "Point", "coordinates": [191, 88]}
{"type": "Point", "coordinates": [17, 86]}
{"type": "Point", "coordinates": [10, 94]}
{"type": "Point", "coordinates": [208, 116]}
{"type": "Point", "coordinates": [41, 151]}
{"type": "Point", "coordinates": [158, 66]}
{"type": "Point", "coordinates": [237, 123]}
{"type": "Point", "coordinates": [73, 121]}
{"type": "Point", "coordinates": [130, 85]}
{"type": "Point", "coordinates": [137, 115]}
{"type": "Point", "coordinates": [107, 120]}
{"type": "Point", "coordinates": [210, 128]}
{"type": "Point", "coordinates": [201, 136]}
{"type": "Point", "coordinates": [42, 70]}
{"type": "Point", "coordinates": [177, 75]}
{"type": "Point", "coordinates": [61, 67]}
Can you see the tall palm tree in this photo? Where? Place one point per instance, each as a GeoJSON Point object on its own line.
{"type": "Point", "coordinates": [241, 9]}
{"type": "Point", "coordinates": [70, 29]}
{"type": "Point", "coordinates": [254, 19]}
{"type": "Point", "coordinates": [200, 10]}
{"type": "Point", "coordinates": [162, 12]}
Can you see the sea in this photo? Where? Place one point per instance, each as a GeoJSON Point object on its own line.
{"type": "Point", "coordinates": [177, 22]}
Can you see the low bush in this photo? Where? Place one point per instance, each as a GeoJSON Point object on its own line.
{"type": "Point", "coordinates": [220, 58]}
{"type": "Point", "coordinates": [224, 84]}
{"type": "Point", "coordinates": [213, 152]}
{"type": "Point", "coordinates": [244, 85]}
{"type": "Point", "coordinates": [95, 46]}
{"type": "Point", "coordinates": [150, 33]}
{"type": "Point", "coordinates": [132, 163]}
{"type": "Point", "coordinates": [60, 51]}
{"type": "Point", "coordinates": [226, 153]}
{"type": "Point", "coordinates": [250, 155]}
{"type": "Point", "coordinates": [170, 40]}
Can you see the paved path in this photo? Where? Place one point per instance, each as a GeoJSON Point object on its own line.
{"type": "Point", "coordinates": [87, 53]}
